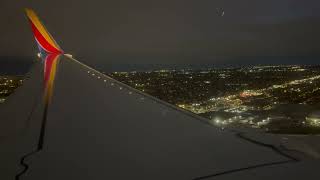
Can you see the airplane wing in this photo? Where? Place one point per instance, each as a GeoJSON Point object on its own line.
{"type": "Point", "coordinates": [69, 121]}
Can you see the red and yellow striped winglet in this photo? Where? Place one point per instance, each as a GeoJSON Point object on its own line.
{"type": "Point", "coordinates": [42, 36]}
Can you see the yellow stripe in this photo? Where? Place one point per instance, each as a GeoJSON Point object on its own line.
{"type": "Point", "coordinates": [35, 20]}
{"type": "Point", "coordinates": [51, 79]}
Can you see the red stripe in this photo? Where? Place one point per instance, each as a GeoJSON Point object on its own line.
{"type": "Point", "coordinates": [43, 42]}
{"type": "Point", "coordinates": [50, 62]}
{"type": "Point", "coordinates": [48, 67]}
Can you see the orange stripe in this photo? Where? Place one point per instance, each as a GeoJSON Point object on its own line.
{"type": "Point", "coordinates": [43, 42]}
{"type": "Point", "coordinates": [35, 20]}
{"type": "Point", "coordinates": [52, 74]}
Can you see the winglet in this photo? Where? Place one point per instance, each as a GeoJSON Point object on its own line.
{"type": "Point", "coordinates": [43, 38]}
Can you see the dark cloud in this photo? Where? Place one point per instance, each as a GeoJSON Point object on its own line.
{"type": "Point", "coordinates": [115, 32]}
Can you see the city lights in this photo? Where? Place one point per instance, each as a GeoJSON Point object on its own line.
{"type": "Point", "coordinates": [243, 96]}
{"type": "Point", "coordinates": [257, 97]}
{"type": "Point", "coordinates": [8, 84]}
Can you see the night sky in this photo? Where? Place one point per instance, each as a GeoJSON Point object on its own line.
{"type": "Point", "coordinates": [129, 34]}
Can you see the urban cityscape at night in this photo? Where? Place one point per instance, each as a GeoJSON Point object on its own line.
{"type": "Point", "coordinates": [8, 84]}
{"type": "Point", "coordinates": [278, 99]}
